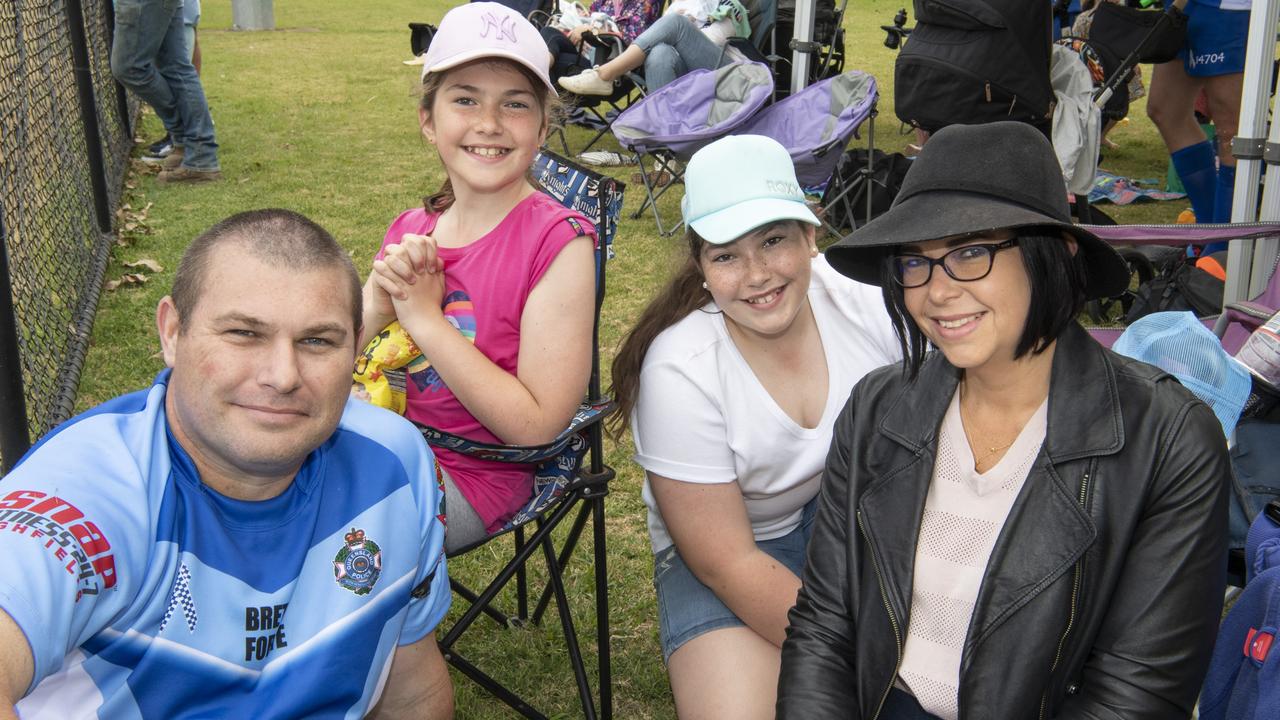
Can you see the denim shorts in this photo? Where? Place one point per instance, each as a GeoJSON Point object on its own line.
{"type": "Point", "coordinates": [687, 608]}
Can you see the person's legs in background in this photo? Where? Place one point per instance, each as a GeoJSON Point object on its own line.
{"type": "Point", "coordinates": [1170, 106]}
{"type": "Point", "coordinates": [198, 157]}
{"type": "Point", "coordinates": [141, 28]}
{"type": "Point", "coordinates": [1213, 59]}
{"type": "Point", "coordinates": [191, 25]}
{"type": "Point", "coordinates": [693, 49]}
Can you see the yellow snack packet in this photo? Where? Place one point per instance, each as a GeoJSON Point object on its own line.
{"type": "Point", "coordinates": [379, 375]}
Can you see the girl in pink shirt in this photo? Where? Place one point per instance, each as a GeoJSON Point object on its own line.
{"type": "Point", "coordinates": [492, 279]}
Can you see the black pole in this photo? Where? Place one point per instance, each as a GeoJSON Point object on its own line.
{"type": "Point", "coordinates": [88, 112]}
{"type": "Point", "coordinates": [14, 437]}
{"type": "Point", "coordinates": [122, 95]}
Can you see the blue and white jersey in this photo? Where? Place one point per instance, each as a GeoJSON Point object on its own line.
{"type": "Point", "coordinates": [145, 594]}
{"type": "Point", "coordinates": [1227, 4]}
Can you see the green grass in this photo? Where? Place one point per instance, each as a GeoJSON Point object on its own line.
{"type": "Point", "coordinates": [319, 116]}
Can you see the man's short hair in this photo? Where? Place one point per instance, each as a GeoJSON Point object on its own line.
{"type": "Point", "coordinates": [289, 239]}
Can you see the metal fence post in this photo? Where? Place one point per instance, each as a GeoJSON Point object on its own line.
{"type": "Point", "coordinates": [88, 112]}
{"type": "Point", "coordinates": [14, 436]}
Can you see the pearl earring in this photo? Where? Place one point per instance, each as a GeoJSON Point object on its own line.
{"type": "Point", "coordinates": [704, 285]}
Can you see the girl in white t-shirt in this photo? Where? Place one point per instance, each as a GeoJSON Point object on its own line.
{"type": "Point", "coordinates": [730, 383]}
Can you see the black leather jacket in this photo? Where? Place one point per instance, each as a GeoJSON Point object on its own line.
{"type": "Point", "coordinates": [1103, 593]}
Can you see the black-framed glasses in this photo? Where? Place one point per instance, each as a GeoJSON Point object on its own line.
{"type": "Point", "coordinates": [965, 263]}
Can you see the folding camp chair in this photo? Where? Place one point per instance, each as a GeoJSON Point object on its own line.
{"type": "Point", "coordinates": [571, 475]}
{"type": "Point", "coordinates": [672, 123]}
{"type": "Point", "coordinates": [815, 126]}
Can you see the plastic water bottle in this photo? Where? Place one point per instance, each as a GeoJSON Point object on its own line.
{"type": "Point", "coordinates": [1261, 355]}
{"type": "Point", "coordinates": [1261, 352]}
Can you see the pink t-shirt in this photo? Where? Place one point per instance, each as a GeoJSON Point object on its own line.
{"type": "Point", "coordinates": [486, 286]}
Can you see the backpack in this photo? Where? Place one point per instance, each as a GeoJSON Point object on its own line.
{"type": "Point", "coordinates": [975, 61]}
{"type": "Point", "coordinates": [1181, 286]}
{"type": "Point", "coordinates": [850, 210]}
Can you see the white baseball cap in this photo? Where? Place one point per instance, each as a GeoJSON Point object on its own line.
{"type": "Point", "coordinates": [737, 184]}
{"type": "Point", "coordinates": [487, 30]}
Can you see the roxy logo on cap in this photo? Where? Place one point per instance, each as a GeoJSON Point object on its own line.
{"type": "Point", "coordinates": [782, 187]}
{"type": "Point", "coordinates": [503, 26]}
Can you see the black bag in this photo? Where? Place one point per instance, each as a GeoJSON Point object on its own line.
{"type": "Point", "coordinates": [1180, 287]}
{"type": "Point", "coordinates": [1121, 30]}
{"type": "Point", "coordinates": [849, 210]}
{"type": "Point", "coordinates": [420, 35]}
{"type": "Point", "coordinates": [975, 61]}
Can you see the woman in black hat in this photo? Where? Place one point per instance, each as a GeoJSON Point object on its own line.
{"type": "Point", "coordinates": [1024, 524]}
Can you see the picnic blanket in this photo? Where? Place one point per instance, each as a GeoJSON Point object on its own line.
{"type": "Point", "coordinates": [1108, 187]}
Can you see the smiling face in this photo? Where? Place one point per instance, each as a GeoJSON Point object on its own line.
{"type": "Point", "coordinates": [761, 280]}
{"type": "Point", "coordinates": [976, 324]}
{"type": "Point", "coordinates": [487, 122]}
{"type": "Point", "coordinates": [261, 369]}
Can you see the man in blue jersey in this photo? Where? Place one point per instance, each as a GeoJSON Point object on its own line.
{"type": "Point", "coordinates": [239, 540]}
{"type": "Point", "coordinates": [1213, 61]}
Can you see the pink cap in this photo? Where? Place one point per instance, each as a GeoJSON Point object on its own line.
{"type": "Point", "coordinates": [487, 30]}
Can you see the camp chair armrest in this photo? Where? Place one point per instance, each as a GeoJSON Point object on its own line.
{"type": "Point", "coordinates": [588, 414]}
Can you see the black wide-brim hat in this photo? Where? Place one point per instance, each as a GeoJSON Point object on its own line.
{"type": "Point", "coordinates": [976, 179]}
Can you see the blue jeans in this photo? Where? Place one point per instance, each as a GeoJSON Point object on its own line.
{"type": "Point", "coordinates": [687, 608]}
{"type": "Point", "coordinates": [672, 47]}
{"type": "Point", "coordinates": [149, 56]}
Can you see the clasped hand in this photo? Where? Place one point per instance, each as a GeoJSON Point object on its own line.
{"type": "Point", "coordinates": [411, 273]}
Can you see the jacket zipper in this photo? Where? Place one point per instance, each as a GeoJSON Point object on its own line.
{"type": "Point", "coordinates": [1075, 593]}
{"type": "Point", "coordinates": [893, 620]}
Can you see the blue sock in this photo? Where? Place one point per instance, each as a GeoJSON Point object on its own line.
{"type": "Point", "coordinates": [1195, 166]}
{"type": "Point", "coordinates": [1225, 192]}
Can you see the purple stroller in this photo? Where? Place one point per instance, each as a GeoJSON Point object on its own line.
{"type": "Point", "coordinates": [672, 123]}
{"type": "Point", "coordinates": [815, 125]}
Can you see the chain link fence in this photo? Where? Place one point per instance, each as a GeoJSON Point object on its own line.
{"type": "Point", "coordinates": [65, 137]}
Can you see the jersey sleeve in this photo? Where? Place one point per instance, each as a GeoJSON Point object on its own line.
{"type": "Point", "coordinates": [679, 427]}
{"type": "Point", "coordinates": [432, 595]}
{"type": "Point", "coordinates": [73, 524]}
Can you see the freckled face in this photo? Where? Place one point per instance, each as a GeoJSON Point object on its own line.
{"type": "Point", "coordinates": [761, 280]}
{"type": "Point", "coordinates": [486, 124]}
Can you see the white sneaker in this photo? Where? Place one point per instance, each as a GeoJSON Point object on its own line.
{"type": "Point", "coordinates": [587, 82]}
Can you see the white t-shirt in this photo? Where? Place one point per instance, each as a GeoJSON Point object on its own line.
{"type": "Point", "coordinates": [702, 416]}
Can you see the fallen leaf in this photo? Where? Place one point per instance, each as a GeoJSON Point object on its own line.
{"type": "Point", "coordinates": [147, 263]}
{"type": "Point", "coordinates": [128, 279]}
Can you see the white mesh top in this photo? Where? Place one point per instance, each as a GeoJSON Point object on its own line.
{"type": "Point", "coordinates": [963, 515]}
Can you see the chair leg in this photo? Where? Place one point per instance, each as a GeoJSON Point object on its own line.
{"type": "Point", "coordinates": [566, 551]}
{"type": "Point", "coordinates": [602, 609]}
{"type": "Point", "coordinates": [499, 582]}
{"type": "Point", "coordinates": [522, 581]}
{"type": "Point", "coordinates": [488, 609]}
{"type": "Point", "coordinates": [515, 702]}
{"type": "Point", "coordinates": [570, 632]}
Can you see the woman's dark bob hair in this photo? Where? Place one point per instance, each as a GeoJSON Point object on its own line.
{"type": "Point", "coordinates": [1057, 279]}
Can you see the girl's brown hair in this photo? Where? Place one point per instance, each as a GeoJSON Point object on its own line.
{"type": "Point", "coordinates": [682, 295]}
{"type": "Point", "coordinates": [440, 200]}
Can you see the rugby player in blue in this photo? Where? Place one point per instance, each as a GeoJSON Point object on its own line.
{"type": "Point", "coordinates": [239, 540]}
{"type": "Point", "coordinates": [1212, 60]}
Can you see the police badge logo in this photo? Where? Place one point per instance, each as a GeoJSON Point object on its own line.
{"type": "Point", "coordinates": [358, 564]}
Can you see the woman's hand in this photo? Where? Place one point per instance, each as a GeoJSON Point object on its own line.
{"type": "Point", "coordinates": [575, 35]}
